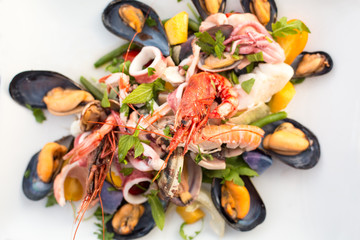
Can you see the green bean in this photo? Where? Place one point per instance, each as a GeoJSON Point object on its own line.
{"type": "Point", "coordinates": [113, 54]}
{"type": "Point", "coordinates": [269, 119]}
{"type": "Point", "coordinates": [91, 88]}
{"type": "Point", "coordinates": [193, 25]}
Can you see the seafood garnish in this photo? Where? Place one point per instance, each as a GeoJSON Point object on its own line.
{"type": "Point", "coordinates": [168, 118]}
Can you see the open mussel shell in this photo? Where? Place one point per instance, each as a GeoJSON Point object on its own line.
{"type": "Point", "coordinates": [144, 226]}
{"type": "Point", "coordinates": [149, 36]}
{"type": "Point", "coordinates": [327, 67]}
{"type": "Point", "coordinates": [257, 210]}
{"type": "Point", "coordinates": [33, 187]}
{"type": "Point", "coordinates": [202, 6]}
{"type": "Point", "coordinates": [304, 160]}
{"type": "Point", "coordinates": [30, 87]}
{"type": "Point", "coordinates": [246, 5]}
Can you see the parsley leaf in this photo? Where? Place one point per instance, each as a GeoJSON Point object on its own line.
{"type": "Point", "coordinates": [247, 85]}
{"type": "Point", "coordinates": [187, 237]}
{"type": "Point", "coordinates": [210, 46]}
{"type": "Point", "coordinates": [202, 156]}
{"type": "Point", "coordinates": [27, 173]}
{"type": "Point", "coordinates": [235, 167]}
{"type": "Point", "coordinates": [126, 142]}
{"type": "Point", "coordinates": [111, 189]}
{"type": "Point", "coordinates": [185, 67]}
{"type": "Point", "coordinates": [150, 22]}
{"type": "Point", "coordinates": [99, 233]}
{"type": "Point", "coordinates": [151, 71]}
{"type": "Point", "coordinates": [167, 131]}
{"type": "Point", "coordinates": [250, 67]}
{"type": "Point", "coordinates": [144, 92]}
{"type": "Point", "coordinates": [282, 28]}
{"type": "Point", "coordinates": [157, 210]}
{"type": "Point", "coordinates": [256, 57]}
{"type": "Point", "coordinates": [297, 80]}
{"type": "Point", "coordinates": [105, 100]}
{"type": "Point", "coordinates": [125, 109]}
{"type": "Point", "coordinates": [51, 201]}
{"type": "Point", "coordinates": [38, 113]}
{"type": "Point", "coordinates": [126, 171]}
{"type": "Point", "coordinates": [179, 175]}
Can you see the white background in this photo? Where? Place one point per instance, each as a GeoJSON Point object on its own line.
{"type": "Point", "coordinates": [68, 37]}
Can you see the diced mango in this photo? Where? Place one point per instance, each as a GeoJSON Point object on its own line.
{"type": "Point", "coordinates": [293, 45]}
{"type": "Point", "coordinates": [190, 217]}
{"type": "Point", "coordinates": [281, 99]}
{"type": "Point", "coordinates": [176, 28]}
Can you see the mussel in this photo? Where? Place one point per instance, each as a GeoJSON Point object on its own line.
{"type": "Point", "coordinates": [30, 87]}
{"type": "Point", "coordinates": [122, 26]}
{"type": "Point", "coordinates": [144, 226]}
{"type": "Point", "coordinates": [265, 11]}
{"type": "Point", "coordinates": [181, 179]}
{"type": "Point", "coordinates": [303, 160]}
{"type": "Point", "coordinates": [311, 64]}
{"type": "Point", "coordinates": [208, 7]}
{"type": "Point", "coordinates": [254, 217]}
{"type": "Point", "coordinates": [33, 187]}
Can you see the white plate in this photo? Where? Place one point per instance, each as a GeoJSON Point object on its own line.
{"type": "Point", "coordinates": [68, 36]}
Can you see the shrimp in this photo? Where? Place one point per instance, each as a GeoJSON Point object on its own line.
{"type": "Point", "coordinates": [246, 137]}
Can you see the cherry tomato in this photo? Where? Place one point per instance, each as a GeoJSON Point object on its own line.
{"type": "Point", "coordinates": [293, 45]}
{"type": "Point", "coordinates": [131, 55]}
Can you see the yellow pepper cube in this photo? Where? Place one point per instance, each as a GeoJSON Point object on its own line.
{"type": "Point", "coordinates": [177, 28]}
{"type": "Point", "coordinates": [280, 100]}
{"type": "Point", "coordinates": [190, 217]}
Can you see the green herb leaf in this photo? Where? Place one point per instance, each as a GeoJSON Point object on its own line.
{"type": "Point", "coordinates": [179, 175]}
{"type": "Point", "coordinates": [167, 131]}
{"type": "Point", "coordinates": [247, 85]}
{"type": "Point", "coordinates": [38, 113]}
{"type": "Point", "coordinates": [281, 28]}
{"type": "Point", "coordinates": [150, 22]}
{"type": "Point", "coordinates": [157, 210]}
{"type": "Point", "coordinates": [185, 67]}
{"type": "Point", "coordinates": [111, 189]}
{"type": "Point", "coordinates": [105, 101]}
{"type": "Point", "coordinates": [126, 171]}
{"type": "Point", "coordinates": [27, 173]}
{"type": "Point", "coordinates": [151, 71]}
{"type": "Point", "coordinates": [125, 109]}
{"type": "Point", "coordinates": [219, 46]}
{"type": "Point", "coordinates": [187, 237]}
{"type": "Point", "coordinates": [139, 148]}
{"type": "Point", "coordinates": [145, 92]}
{"type": "Point", "coordinates": [51, 201]}
{"type": "Point", "coordinates": [250, 67]}
{"type": "Point", "coordinates": [99, 232]}
{"type": "Point", "coordinates": [297, 80]}
{"type": "Point", "coordinates": [256, 57]}
{"type": "Point", "coordinates": [126, 142]}
{"type": "Point", "coordinates": [234, 78]}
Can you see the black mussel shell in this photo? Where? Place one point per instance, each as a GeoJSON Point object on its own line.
{"type": "Point", "coordinates": [144, 226]}
{"type": "Point", "coordinates": [257, 160]}
{"type": "Point", "coordinates": [33, 187]}
{"type": "Point", "coordinates": [111, 199]}
{"type": "Point", "coordinates": [273, 11]}
{"type": "Point", "coordinates": [149, 36]}
{"type": "Point", "coordinates": [326, 69]}
{"type": "Point", "coordinates": [256, 213]}
{"type": "Point", "coordinates": [201, 8]}
{"type": "Point", "coordinates": [306, 159]}
{"type": "Point", "coordinates": [30, 87]}
{"type": "Point", "coordinates": [186, 48]}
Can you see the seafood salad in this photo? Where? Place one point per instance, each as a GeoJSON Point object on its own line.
{"type": "Point", "coordinates": [187, 105]}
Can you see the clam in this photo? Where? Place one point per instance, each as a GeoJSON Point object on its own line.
{"type": "Point", "coordinates": [257, 211]}
{"type": "Point", "coordinates": [33, 187]}
{"type": "Point", "coordinates": [208, 7]}
{"type": "Point", "coordinates": [127, 25]}
{"type": "Point", "coordinates": [311, 64]}
{"type": "Point", "coordinates": [181, 179]}
{"type": "Point", "coordinates": [265, 11]}
{"type": "Point", "coordinates": [305, 159]}
{"type": "Point", "coordinates": [145, 224]}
